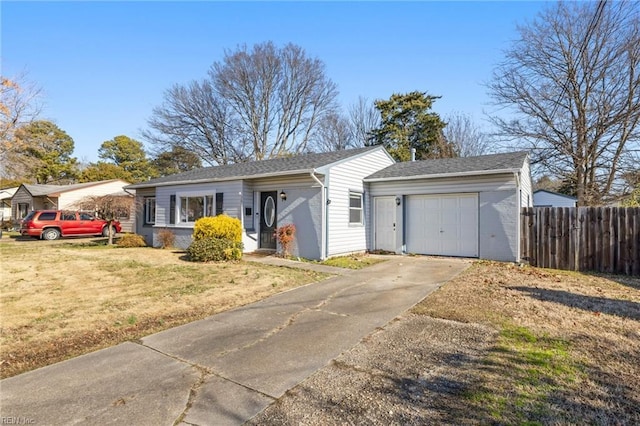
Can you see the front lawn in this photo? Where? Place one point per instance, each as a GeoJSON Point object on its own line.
{"type": "Point", "coordinates": [567, 349]}
{"type": "Point", "coordinates": [65, 299]}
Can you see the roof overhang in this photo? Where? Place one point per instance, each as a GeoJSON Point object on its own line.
{"type": "Point", "coordinates": [445, 175]}
{"type": "Point", "coordinates": [223, 179]}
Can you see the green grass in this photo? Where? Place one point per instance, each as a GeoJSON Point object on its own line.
{"type": "Point", "coordinates": [533, 368]}
{"type": "Point", "coordinates": [356, 261]}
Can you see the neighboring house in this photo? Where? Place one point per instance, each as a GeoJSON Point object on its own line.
{"type": "Point", "coordinates": [544, 198]}
{"type": "Point", "coordinates": [351, 201]}
{"type": "Point", "coordinates": [5, 203]}
{"type": "Point", "coordinates": [60, 197]}
{"type": "Point", "coordinates": [468, 207]}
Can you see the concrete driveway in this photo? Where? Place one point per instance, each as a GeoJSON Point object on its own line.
{"type": "Point", "coordinates": [227, 368]}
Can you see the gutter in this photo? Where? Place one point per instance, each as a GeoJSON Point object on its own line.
{"type": "Point", "coordinates": [222, 179]}
{"type": "Point", "coordinates": [323, 219]}
{"type": "Point", "coordinates": [443, 175]}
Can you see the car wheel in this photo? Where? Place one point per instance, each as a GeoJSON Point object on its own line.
{"type": "Point", "coordinates": [105, 231]}
{"type": "Point", "coordinates": [51, 234]}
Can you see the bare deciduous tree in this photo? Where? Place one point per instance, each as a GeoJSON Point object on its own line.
{"type": "Point", "coordinates": [192, 117]}
{"type": "Point", "coordinates": [365, 118]}
{"type": "Point", "coordinates": [572, 85]}
{"type": "Point", "coordinates": [468, 139]}
{"type": "Point", "coordinates": [256, 103]}
{"type": "Point", "coordinates": [334, 134]}
{"type": "Point", "coordinates": [19, 106]}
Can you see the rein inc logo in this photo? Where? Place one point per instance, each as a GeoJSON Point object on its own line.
{"type": "Point", "coordinates": [17, 421]}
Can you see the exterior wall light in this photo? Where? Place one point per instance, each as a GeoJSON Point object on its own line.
{"type": "Point", "coordinates": [398, 201]}
{"type": "Point", "coordinates": [283, 196]}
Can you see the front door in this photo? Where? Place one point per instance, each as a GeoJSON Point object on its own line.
{"type": "Point", "coordinates": [385, 223]}
{"type": "Point", "coordinates": [268, 220]}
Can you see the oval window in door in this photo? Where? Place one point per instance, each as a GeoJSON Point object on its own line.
{"type": "Point", "coordinates": [269, 211]}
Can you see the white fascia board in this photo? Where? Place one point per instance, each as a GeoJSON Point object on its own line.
{"type": "Point", "coordinates": [445, 175]}
{"type": "Point", "coordinates": [225, 179]}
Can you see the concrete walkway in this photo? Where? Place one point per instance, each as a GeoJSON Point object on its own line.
{"type": "Point", "coordinates": [225, 369]}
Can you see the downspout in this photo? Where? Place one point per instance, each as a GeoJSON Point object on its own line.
{"type": "Point", "coordinates": [516, 175]}
{"type": "Point", "coordinates": [323, 214]}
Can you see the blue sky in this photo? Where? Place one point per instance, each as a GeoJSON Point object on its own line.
{"type": "Point", "coordinates": [103, 66]}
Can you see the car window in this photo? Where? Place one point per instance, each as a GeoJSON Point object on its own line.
{"type": "Point", "coordinates": [68, 216]}
{"type": "Point", "coordinates": [30, 215]}
{"type": "Point", "coordinates": [47, 216]}
{"type": "Point", "coordinates": [86, 216]}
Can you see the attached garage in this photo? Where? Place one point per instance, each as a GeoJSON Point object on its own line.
{"type": "Point", "coordinates": [465, 207]}
{"type": "Point", "coordinates": [445, 225]}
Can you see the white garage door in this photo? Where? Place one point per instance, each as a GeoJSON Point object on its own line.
{"type": "Point", "coordinates": [445, 225]}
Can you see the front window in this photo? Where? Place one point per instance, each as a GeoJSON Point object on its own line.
{"type": "Point", "coordinates": [150, 210]}
{"type": "Point", "coordinates": [193, 208]}
{"type": "Point", "coordinates": [355, 208]}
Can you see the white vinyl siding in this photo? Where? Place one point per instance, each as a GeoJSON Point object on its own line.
{"type": "Point", "coordinates": [526, 191]}
{"type": "Point", "coordinates": [344, 179]}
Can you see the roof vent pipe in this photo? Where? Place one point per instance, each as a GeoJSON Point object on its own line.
{"type": "Point", "coordinates": [413, 154]}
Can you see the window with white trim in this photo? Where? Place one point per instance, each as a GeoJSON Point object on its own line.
{"type": "Point", "coordinates": [355, 208]}
{"type": "Point", "coordinates": [193, 206]}
{"type": "Point", "coordinates": [149, 210]}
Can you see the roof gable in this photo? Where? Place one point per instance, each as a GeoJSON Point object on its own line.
{"type": "Point", "coordinates": [556, 194]}
{"type": "Point", "coordinates": [37, 190]}
{"type": "Point", "coordinates": [305, 163]}
{"type": "Point", "coordinates": [484, 164]}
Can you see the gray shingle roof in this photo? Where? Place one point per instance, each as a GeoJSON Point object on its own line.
{"type": "Point", "coordinates": [451, 166]}
{"type": "Point", "coordinates": [278, 166]}
{"type": "Point", "coordinates": [40, 190]}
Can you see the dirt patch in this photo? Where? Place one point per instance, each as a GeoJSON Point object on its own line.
{"type": "Point", "coordinates": [62, 300]}
{"type": "Point", "coordinates": [392, 378]}
{"type": "Point", "coordinates": [500, 344]}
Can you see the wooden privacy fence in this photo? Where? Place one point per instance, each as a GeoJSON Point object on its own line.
{"type": "Point", "coordinates": [602, 239]}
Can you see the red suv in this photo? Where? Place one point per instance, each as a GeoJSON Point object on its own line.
{"type": "Point", "coordinates": [53, 224]}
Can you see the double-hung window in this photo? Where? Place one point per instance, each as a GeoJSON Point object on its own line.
{"type": "Point", "coordinates": [355, 208]}
{"type": "Point", "coordinates": [149, 210]}
{"type": "Point", "coordinates": [194, 205]}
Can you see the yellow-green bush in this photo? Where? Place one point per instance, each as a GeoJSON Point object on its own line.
{"type": "Point", "coordinates": [214, 250]}
{"type": "Point", "coordinates": [132, 240]}
{"type": "Point", "coordinates": [221, 226]}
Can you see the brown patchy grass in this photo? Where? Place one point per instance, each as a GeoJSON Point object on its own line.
{"type": "Point", "coordinates": [62, 300]}
{"type": "Point", "coordinates": [568, 347]}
